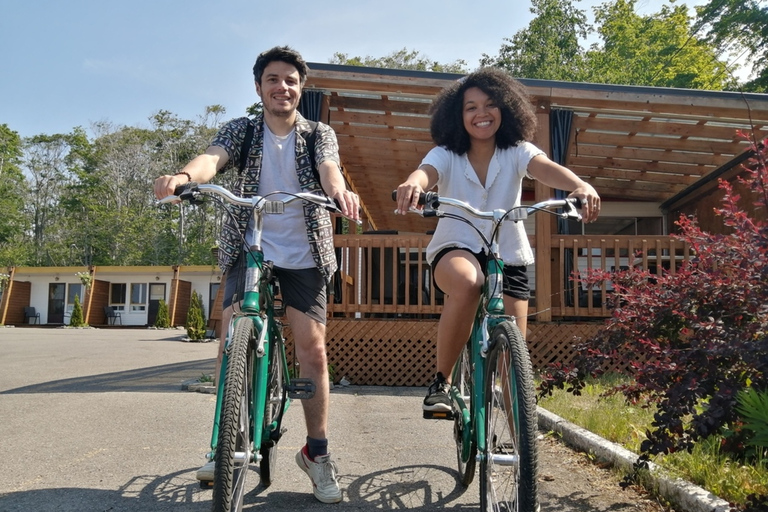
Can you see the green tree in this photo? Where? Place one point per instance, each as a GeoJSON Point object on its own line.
{"type": "Point", "coordinates": [76, 320]}
{"type": "Point", "coordinates": [163, 320]}
{"type": "Point", "coordinates": [14, 248]}
{"type": "Point", "coordinates": [549, 47]}
{"type": "Point", "coordinates": [659, 50]}
{"type": "Point", "coordinates": [401, 59]}
{"type": "Point", "coordinates": [739, 27]}
{"type": "Point", "coordinates": [196, 318]}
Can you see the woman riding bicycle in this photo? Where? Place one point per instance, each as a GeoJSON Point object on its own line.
{"type": "Point", "coordinates": [483, 126]}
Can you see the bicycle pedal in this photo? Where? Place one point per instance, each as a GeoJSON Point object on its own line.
{"type": "Point", "coordinates": [206, 484]}
{"type": "Point", "coordinates": [438, 415]}
{"type": "Point", "coordinates": [301, 389]}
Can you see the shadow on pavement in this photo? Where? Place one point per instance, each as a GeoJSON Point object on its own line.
{"type": "Point", "coordinates": [400, 488]}
{"type": "Point", "coordinates": [155, 379]}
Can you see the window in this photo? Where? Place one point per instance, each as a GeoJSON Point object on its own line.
{"type": "Point", "coordinates": [74, 289]}
{"type": "Point", "coordinates": [117, 296]}
{"type": "Point", "coordinates": [618, 226]}
{"type": "Point", "coordinates": [138, 296]}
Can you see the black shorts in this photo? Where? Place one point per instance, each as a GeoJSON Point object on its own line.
{"type": "Point", "coordinates": [515, 276]}
{"type": "Point", "coordinates": [302, 289]}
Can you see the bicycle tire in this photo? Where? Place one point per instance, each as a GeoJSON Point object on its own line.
{"type": "Point", "coordinates": [233, 451]}
{"type": "Point", "coordinates": [274, 407]}
{"type": "Point", "coordinates": [463, 382]}
{"type": "Point", "coordinates": [508, 479]}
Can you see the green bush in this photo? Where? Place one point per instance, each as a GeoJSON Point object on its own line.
{"type": "Point", "coordinates": [76, 320]}
{"type": "Point", "coordinates": [196, 318]}
{"type": "Point", "coordinates": [163, 320]}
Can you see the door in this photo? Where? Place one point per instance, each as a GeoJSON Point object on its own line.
{"type": "Point", "coordinates": [56, 303]}
{"type": "Point", "coordinates": [156, 294]}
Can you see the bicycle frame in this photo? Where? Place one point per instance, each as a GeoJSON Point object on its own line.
{"type": "Point", "coordinates": [258, 306]}
{"type": "Point", "coordinates": [493, 372]}
{"type": "Point", "coordinates": [258, 301]}
{"type": "Point", "coordinates": [490, 312]}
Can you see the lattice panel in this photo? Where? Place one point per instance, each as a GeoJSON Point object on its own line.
{"type": "Point", "coordinates": [550, 343]}
{"type": "Point", "coordinates": [402, 352]}
{"type": "Point", "coordinates": [380, 352]}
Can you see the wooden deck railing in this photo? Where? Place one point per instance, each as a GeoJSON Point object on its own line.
{"type": "Point", "coordinates": [574, 255]}
{"type": "Point", "coordinates": [386, 275]}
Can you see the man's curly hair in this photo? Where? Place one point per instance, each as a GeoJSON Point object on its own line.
{"type": "Point", "coordinates": [518, 115]}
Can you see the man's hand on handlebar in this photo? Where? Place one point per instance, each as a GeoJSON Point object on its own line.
{"type": "Point", "coordinates": [348, 202]}
{"type": "Point", "coordinates": [166, 185]}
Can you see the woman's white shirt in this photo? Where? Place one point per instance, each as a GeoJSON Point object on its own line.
{"type": "Point", "coordinates": [503, 189]}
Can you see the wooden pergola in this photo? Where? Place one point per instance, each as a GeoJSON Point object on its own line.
{"type": "Point", "coordinates": [631, 143]}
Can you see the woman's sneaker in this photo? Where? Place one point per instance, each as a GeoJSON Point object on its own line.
{"type": "Point", "coordinates": [322, 473]}
{"type": "Point", "coordinates": [438, 396]}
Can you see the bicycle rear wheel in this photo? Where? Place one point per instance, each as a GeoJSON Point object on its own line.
{"type": "Point", "coordinates": [466, 446]}
{"type": "Point", "coordinates": [508, 470]}
{"type": "Point", "coordinates": [233, 450]}
{"type": "Point", "coordinates": [274, 409]}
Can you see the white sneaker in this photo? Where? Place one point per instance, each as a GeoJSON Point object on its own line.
{"type": "Point", "coordinates": [322, 472]}
{"type": "Point", "coordinates": [205, 473]}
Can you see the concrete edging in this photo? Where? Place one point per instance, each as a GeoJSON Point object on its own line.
{"type": "Point", "coordinates": [685, 495]}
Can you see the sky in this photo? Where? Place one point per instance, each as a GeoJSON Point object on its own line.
{"type": "Point", "coordinates": [69, 63]}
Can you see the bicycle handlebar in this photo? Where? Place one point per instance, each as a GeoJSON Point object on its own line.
{"type": "Point", "coordinates": [432, 200]}
{"type": "Point", "coordinates": [193, 191]}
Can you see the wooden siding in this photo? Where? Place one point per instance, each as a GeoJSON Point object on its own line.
{"type": "Point", "coordinates": [181, 291]}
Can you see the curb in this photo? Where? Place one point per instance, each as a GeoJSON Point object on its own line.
{"type": "Point", "coordinates": [682, 494]}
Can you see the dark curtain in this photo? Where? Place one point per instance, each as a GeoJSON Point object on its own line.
{"type": "Point", "coordinates": [559, 132]}
{"type": "Point", "coordinates": [311, 104]}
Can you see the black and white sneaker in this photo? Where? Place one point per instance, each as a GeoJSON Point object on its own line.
{"type": "Point", "coordinates": [438, 397]}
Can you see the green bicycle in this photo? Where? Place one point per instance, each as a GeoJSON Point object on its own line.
{"type": "Point", "coordinates": [255, 388]}
{"type": "Point", "coordinates": [492, 389]}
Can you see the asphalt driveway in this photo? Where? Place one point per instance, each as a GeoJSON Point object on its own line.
{"type": "Point", "coordinates": [96, 420]}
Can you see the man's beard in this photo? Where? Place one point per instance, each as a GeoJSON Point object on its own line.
{"type": "Point", "coordinates": [280, 113]}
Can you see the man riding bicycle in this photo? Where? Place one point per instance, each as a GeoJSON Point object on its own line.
{"type": "Point", "coordinates": [299, 242]}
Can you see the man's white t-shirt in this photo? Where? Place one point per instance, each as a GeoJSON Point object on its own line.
{"type": "Point", "coordinates": [284, 239]}
{"type": "Point", "coordinates": [503, 189]}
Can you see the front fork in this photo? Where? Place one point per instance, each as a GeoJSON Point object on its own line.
{"type": "Point", "coordinates": [258, 403]}
{"type": "Point", "coordinates": [486, 321]}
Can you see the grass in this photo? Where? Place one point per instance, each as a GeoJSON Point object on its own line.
{"type": "Point", "coordinates": [613, 419]}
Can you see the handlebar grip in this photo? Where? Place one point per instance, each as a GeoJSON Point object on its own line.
{"type": "Point", "coordinates": [575, 201]}
{"type": "Point", "coordinates": [187, 192]}
{"type": "Point", "coordinates": [424, 197]}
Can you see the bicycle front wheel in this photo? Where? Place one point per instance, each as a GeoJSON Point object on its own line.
{"type": "Point", "coordinates": [508, 469]}
{"type": "Point", "coordinates": [274, 410]}
{"type": "Point", "coordinates": [233, 451]}
{"type": "Point", "coordinates": [466, 446]}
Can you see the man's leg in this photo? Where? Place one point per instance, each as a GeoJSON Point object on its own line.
{"type": "Point", "coordinates": [309, 345]}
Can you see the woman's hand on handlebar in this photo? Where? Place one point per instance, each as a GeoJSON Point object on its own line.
{"type": "Point", "coordinates": [590, 202]}
{"type": "Point", "coordinates": [408, 197]}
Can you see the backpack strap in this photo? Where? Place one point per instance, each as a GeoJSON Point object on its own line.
{"type": "Point", "coordinates": [245, 148]}
{"type": "Point", "coordinates": [311, 138]}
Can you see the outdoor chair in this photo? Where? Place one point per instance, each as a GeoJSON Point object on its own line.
{"type": "Point", "coordinates": [112, 315]}
{"type": "Point", "coordinates": [31, 313]}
